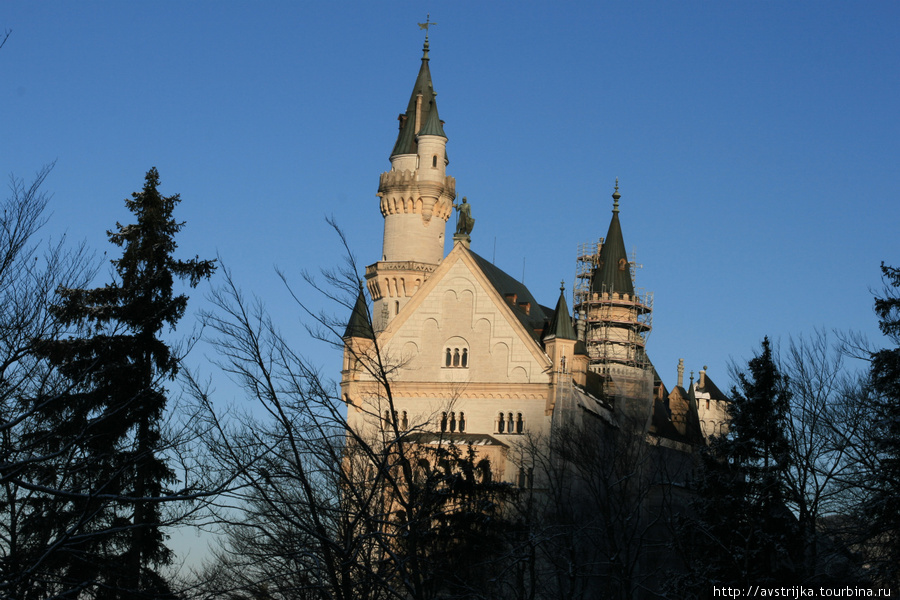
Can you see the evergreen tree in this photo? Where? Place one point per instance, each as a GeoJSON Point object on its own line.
{"type": "Point", "coordinates": [744, 532]}
{"type": "Point", "coordinates": [108, 423]}
{"type": "Point", "coordinates": [884, 505]}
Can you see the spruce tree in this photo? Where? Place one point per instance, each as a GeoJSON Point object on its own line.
{"type": "Point", "coordinates": [744, 533]}
{"type": "Point", "coordinates": [883, 508]}
{"type": "Point", "coordinates": [109, 421]}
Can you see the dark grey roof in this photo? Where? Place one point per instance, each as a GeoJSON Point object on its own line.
{"type": "Point", "coordinates": [359, 325]}
{"type": "Point", "coordinates": [561, 323]}
{"type": "Point", "coordinates": [457, 439]}
{"type": "Point", "coordinates": [709, 387]}
{"type": "Point", "coordinates": [613, 274]}
{"type": "Point", "coordinates": [537, 317]}
{"type": "Point", "coordinates": [406, 139]}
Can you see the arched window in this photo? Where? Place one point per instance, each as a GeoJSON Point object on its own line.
{"type": "Point", "coordinates": [500, 423]}
{"type": "Point", "coordinates": [520, 423]}
{"type": "Point", "coordinates": [462, 422]}
{"type": "Point", "coordinates": [510, 424]}
{"type": "Point", "coordinates": [707, 404]}
{"type": "Point", "coordinates": [456, 353]}
{"type": "Point", "coordinates": [434, 160]}
{"type": "Point", "coordinates": [443, 422]}
{"type": "Point", "coordinates": [405, 421]}
{"type": "Point", "coordinates": [452, 422]}
{"type": "Point", "coordinates": [396, 307]}
{"type": "Point", "coordinates": [386, 422]}
{"type": "Point", "coordinates": [562, 365]}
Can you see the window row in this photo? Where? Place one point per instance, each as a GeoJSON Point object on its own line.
{"type": "Point", "coordinates": [402, 420]}
{"type": "Point", "coordinates": [507, 423]}
{"type": "Point", "coordinates": [454, 357]}
{"type": "Point", "coordinates": [450, 423]}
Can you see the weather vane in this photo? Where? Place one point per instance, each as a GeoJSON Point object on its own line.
{"type": "Point", "coordinates": [426, 25]}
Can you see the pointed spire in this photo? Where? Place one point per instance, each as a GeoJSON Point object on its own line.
{"type": "Point", "coordinates": [613, 274]}
{"type": "Point", "coordinates": [561, 323]}
{"type": "Point", "coordinates": [422, 103]}
{"type": "Point", "coordinates": [359, 325]}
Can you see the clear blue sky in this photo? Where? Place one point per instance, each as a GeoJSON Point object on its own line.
{"type": "Point", "coordinates": [757, 143]}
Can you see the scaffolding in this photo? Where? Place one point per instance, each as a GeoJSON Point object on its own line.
{"type": "Point", "coordinates": [613, 327]}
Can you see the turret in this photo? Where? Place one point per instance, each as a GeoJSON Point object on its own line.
{"type": "Point", "coordinates": [616, 319]}
{"type": "Point", "coordinates": [416, 198]}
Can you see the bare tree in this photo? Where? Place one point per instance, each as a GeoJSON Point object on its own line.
{"type": "Point", "coordinates": [828, 429]}
{"type": "Point", "coordinates": [30, 273]}
{"type": "Point", "coordinates": [334, 499]}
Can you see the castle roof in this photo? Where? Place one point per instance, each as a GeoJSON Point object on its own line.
{"type": "Point", "coordinates": [561, 323]}
{"type": "Point", "coordinates": [359, 325]}
{"type": "Point", "coordinates": [430, 123]}
{"type": "Point", "coordinates": [613, 274]}
{"type": "Point", "coordinates": [531, 314]}
{"type": "Point", "coordinates": [710, 388]}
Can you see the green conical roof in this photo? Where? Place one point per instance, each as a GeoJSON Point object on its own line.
{"type": "Point", "coordinates": [430, 124]}
{"type": "Point", "coordinates": [359, 325]}
{"type": "Point", "coordinates": [561, 323]}
{"type": "Point", "coordinates": [613, 274]}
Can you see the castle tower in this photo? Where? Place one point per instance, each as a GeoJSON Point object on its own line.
{"type": "Point", "coordinates": [416, 202]}
{"type": "Point", "coordinates": [616, 317]}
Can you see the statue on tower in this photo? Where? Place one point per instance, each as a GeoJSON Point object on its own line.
{"type": "Point", "coordinates": [464, 220]}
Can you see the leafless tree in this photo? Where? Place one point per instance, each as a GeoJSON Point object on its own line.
{"type": "Point", "coordinates": [828, 431]}
{"type": "Point", "coordinates": [331, 499]}
{"type": "Point", "coordinates": [30, 273]}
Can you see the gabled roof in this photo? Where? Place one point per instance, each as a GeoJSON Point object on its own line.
{"type": "Point", "coordinates": [710, 388]}
{"type": "Point", "coordinates": [561, 323]}
{"type": "Point", "coordinates": [498, 285]}
{"type": "Point", "coordinates": [430, 122]}
{"type": "Point", "coordinates": [613, 274]}
{"type": "Point", "coordinates": [359, 325]}
{"type": "Point", "coordinates": [507, 286]}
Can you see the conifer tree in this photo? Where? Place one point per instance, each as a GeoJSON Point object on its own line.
{"type": "Point", "coordinates": [109, 421]}
{"type": "Point", "coordinates": [744, 533]}
{"type": "Point", "coordinates": [883, 507]}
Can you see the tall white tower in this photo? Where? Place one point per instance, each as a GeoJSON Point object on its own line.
{"type": "Point", "coordinates": [416, 202]}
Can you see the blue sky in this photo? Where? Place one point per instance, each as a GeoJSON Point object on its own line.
{"type": "Point", "coordinates": [757, 144]}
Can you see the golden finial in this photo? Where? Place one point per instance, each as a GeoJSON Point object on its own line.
{"type": "Point", "coordinates": [616, 195]}
{"type": "Point", "coordinates": [425, 26]}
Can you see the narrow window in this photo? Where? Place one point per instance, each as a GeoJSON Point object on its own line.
{"type": "Point", "coordinates": [434, 160]}
{"type": "Point", "coordinates": [707, 404]}
{"type": "Point", "coordinates": [510, 424]}
{"type": "Point", "coordinates": [465, 357]}
{"type": "Point", "coordinates": [462, 422]}
{"type": "Point", "coordinates": [456, 357]}
{"type": "Point", "coordinates": [387, 420]}
{"type": "Point", "coordinates": [500, 423]}
{"type": "Point", "coordinates": [452, 422]}
{"type": "Point", "coordinates": [521, 478]}
{"type": "Point", "coordinates": [405, 421]}
{"type": "Point", "coordinates": [562, 364]}
{"type": "Point", "coordinates": [529, 478]}
{"type": "Point", "coordinates": [443, 422]}
{"type": "Point", "coordinates": [397, 307]}
{"type": "Point", "coordinates": [520, 423]}
{"type": "Point", "coordinates": [449, 358]}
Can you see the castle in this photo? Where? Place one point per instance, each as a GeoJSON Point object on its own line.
{"type": "Point", "coordinates": [470, 354]}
